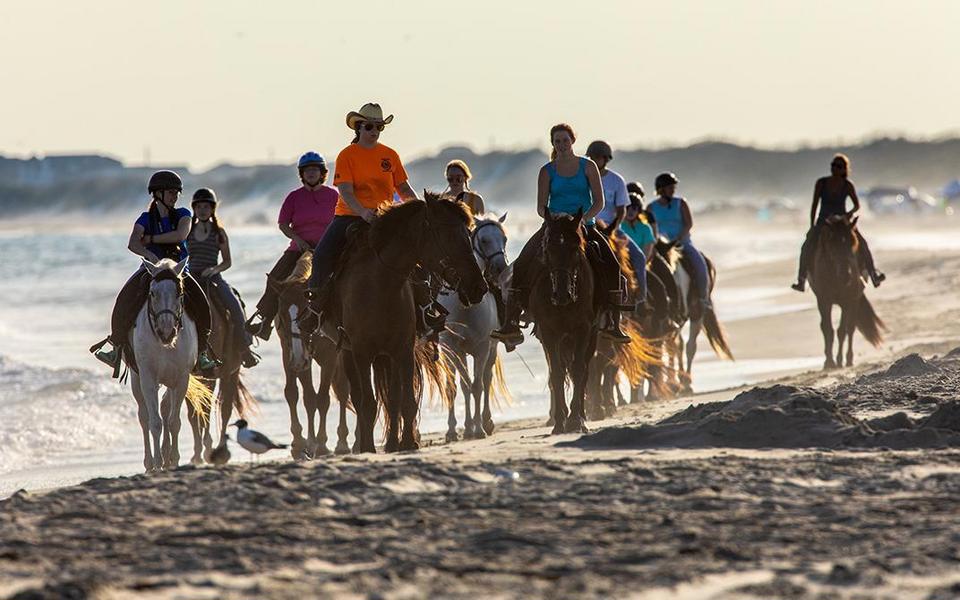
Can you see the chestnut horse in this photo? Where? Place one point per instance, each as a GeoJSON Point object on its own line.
{"type": "Point", "coordinates": [835, 280]}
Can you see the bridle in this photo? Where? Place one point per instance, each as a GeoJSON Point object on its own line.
{"type": "Point", "coordinates": [572, 273]}
{"type": "Point", "coordinates": [153, 315]}
{"type": "Point", "coordinates": [486, 258]}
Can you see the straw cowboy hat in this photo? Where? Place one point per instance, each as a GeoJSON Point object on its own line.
{"type": "Point", "coordinates": [368, 112]}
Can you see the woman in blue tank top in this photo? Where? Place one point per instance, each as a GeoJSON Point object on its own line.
{"type": "Point", "coordinates": [567, 184]}
{"type": "Point", "coordinates": [831, 194]}
{"type": "Point", "coordinates": [674, 222]}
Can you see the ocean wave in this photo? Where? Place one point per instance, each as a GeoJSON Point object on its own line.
{"type": "Point", "coordinates": [50, 414]}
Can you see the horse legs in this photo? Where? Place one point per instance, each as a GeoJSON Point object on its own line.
{"type": "Point", "coordinates": [609, 387]}
{"type": "Point", "coordinates": [583, 356]}
{"type": "Point", "coordinates": [389, 370]}
{"type": "Point", "coordinates": [476, 389]}
{"type": "Point", "coordinates": [404, 367]}
{"type": "Point", "coordinates": [198, 429]}
{"type": "Point", "coordinates": [361, 393]}
{"type": "Point", "coordinates": [826, 327]}
{"type": "Point", "coordinates": [850, 316]}
{"type": "Point", "coordinates": [292, 393]}
{"type": "Point", "coordinates": [450, 397]}
{"type": "Point", "coordinates": [311, 403]}
{"type": "Point", "coordinates": [842, 334]}
{"type": "Point", "coordinates": [149, 419]}
{"type": "Point", "coordinates": [165, 403]}
{"type": "Point", "coordinates": [695, 327]}
{"type": "Point", "coordinates": [341, 389]}
{"type": "Point", "coordinates": [172, 424]}
{"type": "Point", "coordinates": [488, 426]}
{"type": "Point", "coordinates": [558, 401]}
{"type": "Point", "coordinates": [318, 446]}
{"type": "Point", "coordinates": [593, 392]}
{"type": "Point", "coordinates": [466, 388]}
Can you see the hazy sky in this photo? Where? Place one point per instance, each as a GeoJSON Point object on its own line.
{"type": "Point", "coordinates": [200, 82]}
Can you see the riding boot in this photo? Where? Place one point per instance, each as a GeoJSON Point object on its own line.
{"type": "Point", "coordinates": [250, 358]}
{"type": "Point", "coordinates": [111, 357]}
{"type": "Point", "coordinates": [876, 277]}
{"type": "Point", "coordinates": [509, 333]}
{"type": "Point", "coordinates": [207, 362]}
{"type": "Point", "coordinates": [612, 328]}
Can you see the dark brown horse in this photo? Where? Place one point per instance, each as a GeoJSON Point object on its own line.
{"type": "Point", "coordinates": [835, 280]}
{"type": "Point", "coordinates": [226, 344]}
{"type": "Point", "coordinates": [297, 355]}
{"type": "Point", "coordinates": [373, 299]}
{"type": "Point", "coordinates": [563, 305]}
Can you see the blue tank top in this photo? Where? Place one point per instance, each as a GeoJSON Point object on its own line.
{"type": "Point", "coordinates": [151, 226]}
{"type": "Point", "coordinates": [668, 217]}
{"type": "Point", "coordinates": [569, 194]}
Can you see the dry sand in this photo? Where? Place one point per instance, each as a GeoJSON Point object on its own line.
{"type": "Point", "coordinates": [836, 485]}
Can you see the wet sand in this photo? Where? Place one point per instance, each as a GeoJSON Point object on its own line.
{"type": "Point", "coordinates": [680, 506]}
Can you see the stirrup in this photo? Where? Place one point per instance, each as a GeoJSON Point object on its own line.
{"type": "Point", "coordinates": [876, 278]}
{"type": "Point", "coordinates": [250, 359]}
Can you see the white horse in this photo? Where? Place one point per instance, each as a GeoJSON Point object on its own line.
{"type": "Point", "coordinates": [164, 341]}
{"type": "Point", "coordinates": [468, 334]}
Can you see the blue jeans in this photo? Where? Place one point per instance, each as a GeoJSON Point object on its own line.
{"type": "Point", "coordinates": [215, 285]}
{"type": "Point", "coordinates": [639, 263]}
{"type": "Point", "coordinates": [329, 249]}
{"type": "Point", "coordinates": [699, 268]}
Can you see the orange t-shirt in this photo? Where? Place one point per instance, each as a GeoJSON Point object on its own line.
{"type": "Point", "coordinates": [374, 172]}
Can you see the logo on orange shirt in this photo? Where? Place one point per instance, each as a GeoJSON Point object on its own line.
{"type": "Point", "coordinates": [386, 165]}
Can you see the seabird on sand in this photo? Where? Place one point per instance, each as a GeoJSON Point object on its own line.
{"type": "Point", "coordinates": [254, 441]}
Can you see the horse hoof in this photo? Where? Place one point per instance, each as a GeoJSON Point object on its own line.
{"type": "Point", "coordinates": [196, 461]}
{"type": "Point", "coordinates": [549, 423]}
{"type": "Point", "coordinates": [557, 429]}
{"type": "Point", "coordinates": [452, 436]}
{"type": "Point", "coordinates": [392, 446]}
{"type": "Point", "coordinates": [342, 449]}
{"type": "Point", "coordinates": [596, 414]}
{"type": "Point", "coordinates": [479, 433]}
{"type": "Point", "coordinates": [488, 426]}
{"type": "Point", "coordinates": [575, 425]}
{"type": "Point", "coordinates": [409, 446]}
{"type": "Point", "coordinates": [321, 451]}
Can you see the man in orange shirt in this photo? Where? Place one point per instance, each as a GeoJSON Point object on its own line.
{"type": "Point", "coordinates": [367, 175]}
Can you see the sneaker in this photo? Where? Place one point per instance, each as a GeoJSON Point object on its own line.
{"type": "Point", "coordinates": [613, 332]}
{"type": "Point", "coordinates": [877, 278]}
{"type": "Point", "coordinates": [110, 357]}
{"type": "Point", "coordinates": [206, 363]}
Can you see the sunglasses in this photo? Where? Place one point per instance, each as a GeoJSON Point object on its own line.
{"type": "Point", "coordinates": [838, 165]}
{"type": "Point", "coordinates": [371, 126]}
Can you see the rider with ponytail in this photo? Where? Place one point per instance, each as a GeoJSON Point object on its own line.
{"type": "Point", "coordinates": [206, 244]}
{"type": "Point", "coordinates": [159, 233]}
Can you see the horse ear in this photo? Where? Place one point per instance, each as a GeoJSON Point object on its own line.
{"type": "Point", "coordinates": [503, 218]}
{"type": "Point", "coordinates": [546, 213]}
{"type": "Point", "coordinates": [180, 268]}
{"type": "Point", "coordinates": [150, 267]}
{"type": "Point", "coordinates": [427, 196]}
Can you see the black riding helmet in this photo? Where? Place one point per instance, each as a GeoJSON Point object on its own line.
{"type": "Point", "coordinates": [600, 148]}
{"type": "Point", "coordinates": [635, 187]}
{"type": "Point", "coordinates": [164, 180]}
{"type": "Point", "coordinates": [204, 195]}
{"type": "Point", "coordinates": [665, 179]}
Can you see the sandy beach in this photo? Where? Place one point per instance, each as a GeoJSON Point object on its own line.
{"type": "Point", "coordinates": [839, 484]}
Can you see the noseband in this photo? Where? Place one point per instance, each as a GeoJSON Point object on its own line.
{"type": "Point", "coordinates": [153, 315]}
{"type": "Point", "coordinates": [572, 274]}
{"type": "Point", "coordinates": [486, 258]}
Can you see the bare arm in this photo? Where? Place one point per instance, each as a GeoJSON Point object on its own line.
{"type": "Point", "coordinates": [543, 191]}
{"type": "Point", "coordinates": [852, 191]}
{"type": "Point", "coordinates": [172, 237]}
{"type": "Point", "coordinates": [596, 190]}
{"type": "Point", "coordinates": [618, 218]}
{"type": "Point", "coordinates": [816, 202]}
{"type": "Point", "coordinates": [648, 251]}
{"type": "Point", "coordinates": [225, 262]}
{"type": "Point", "coordinates": [346, 192]}
{"type": "Point", "coordinates": [290, 233]}
{"type": "Point", "coordinates": [135, 244]}
{"type": "Point", "coordinates": [406, 192]}
{"type": "Point", "coordinates": [687, 219]}
{"type": "Point", "coordinates": [478, 208]}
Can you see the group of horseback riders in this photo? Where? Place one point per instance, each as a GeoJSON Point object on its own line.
{"type": "Point", "coordinates": [317, 218]}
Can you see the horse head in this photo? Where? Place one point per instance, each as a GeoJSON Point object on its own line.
{"type": "Point", "coordinates": [489, 240]}
{"type": "Point", "coordinates": [563, 248]}
{"type": "Point", "coordinates": [446, 248]}
{"type": "Point", "coordinates": [165, 300]}
{"type": "Point", "coordinates": [291, 293]}
{"type": "Point", "coordinates": [838, 239]}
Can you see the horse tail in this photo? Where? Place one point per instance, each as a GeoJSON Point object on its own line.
{"type": "Point", "coordinates": [246, 402]}
{"type": "Point", "coordinates": [869, 324]}
{"type": "Point", "coordinates": [498, 385]}
{"type": "Point", "coordinates": [200, 397]}
{"type": "Point", "coordinates": [381, 389]}
{"type": "Point", "coordinates": [716, 335]}
{"type": "Point", "coordinates": [635, 358]}
{"type": "Point", "coordinates": [433, 367]}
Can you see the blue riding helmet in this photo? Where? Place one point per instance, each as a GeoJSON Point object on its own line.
{"type": "Point", "coordinates": [311, 159]}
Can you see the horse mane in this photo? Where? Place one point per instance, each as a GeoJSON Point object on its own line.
{"type": "Point", "coordinates": [622, 253]}
{"type": "Point", "coordinates": [557, 219]}
{"type": "Point", "coordinates": [301, 271]}
{"type": "Point", "coordinates": [392, 217]}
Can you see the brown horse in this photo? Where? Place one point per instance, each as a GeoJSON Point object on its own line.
{"type": "Point", "coordinates": [835, 280]}
{"type": "Point", "coordinates": [373, 299]}
{"type": "Point", "coordinates": [297, 355]}
{"type": "Point", "coordinates": [226, 344]}
{"type": "Point", "coordinates": [563, 304]}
